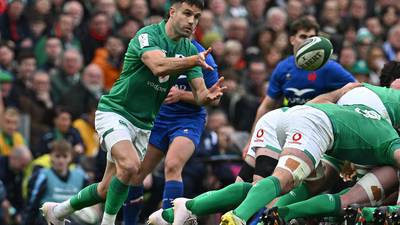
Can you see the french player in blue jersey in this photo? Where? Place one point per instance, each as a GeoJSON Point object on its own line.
{"type": "Point", "coordinates": [175, 135]}
{"type": "Point", "coordinates": [294, 85]}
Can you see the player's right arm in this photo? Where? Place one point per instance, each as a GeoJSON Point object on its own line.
{"type": "Point", "coordinates": [160, 65]}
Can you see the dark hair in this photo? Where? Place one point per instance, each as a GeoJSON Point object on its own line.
{"type": "Point", "coordinates": [389, 73]}
{"type": "Point", "coordinates": [303, 23]}
{"type": "Point", "coordinates": [61, 146]}
{"type": "Point", "coordinates": [198, 3]}
{"type": "Point", "coordinates": [26, 54]}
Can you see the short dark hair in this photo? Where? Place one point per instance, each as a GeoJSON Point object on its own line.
{"type": "Point", "coordinates": [303, 23]}
{"type": "Point", "coordinates": [198, 3]}
{"type": "Point", "coordinates": [389, 73]}
{"type": "Point", "coordinates": [61, 146]}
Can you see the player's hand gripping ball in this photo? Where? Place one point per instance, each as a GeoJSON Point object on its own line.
{"type": "Point", "coordinates": [313, 53]}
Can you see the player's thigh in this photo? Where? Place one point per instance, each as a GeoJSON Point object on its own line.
{"type": "Point", "coordinates": [185, 137]}
{"type": "Point", "coordinates": [124, 143]}
{"type": "Point", "coordinates": [179, 152]}
{"type": "Point", "coordinates": [372, 188]}
{"type": "Point", "coordinates": [264, 140]}
{"type": "Point", "coordinates": [308, 129]}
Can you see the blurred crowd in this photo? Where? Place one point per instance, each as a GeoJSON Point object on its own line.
{"type": "Point", "coordinates": [57, 58]}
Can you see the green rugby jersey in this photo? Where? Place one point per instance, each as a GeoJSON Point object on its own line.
{"type": "Point", "coordinates": [138, 94]}
{"type": "Point", "coordinates": [361, 135]}
{"type": "Point", "coordinates": [390, 99]}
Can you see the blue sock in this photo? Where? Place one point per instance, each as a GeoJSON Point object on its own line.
{"type": "Point", "coordinates": [256, 218]}
{"type": "Point", "coordinates": [173, 189]}
{"type": "Point", "coordinates": [133, 205]}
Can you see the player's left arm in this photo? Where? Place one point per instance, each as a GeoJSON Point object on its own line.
{"type": "Point", "coordinates": [204, 96]}
{"type": "Point", "coordinates": [334, 96]}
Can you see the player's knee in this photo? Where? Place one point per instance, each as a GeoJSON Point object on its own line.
{"type": "Point", "coordinates": [173, 167]}
{"type": "Point", "coordinates": [373, 188]}
{"type": "Point", "coordinates": [292, 170]}
{"type": "Point", "coordinates": [127, 169]}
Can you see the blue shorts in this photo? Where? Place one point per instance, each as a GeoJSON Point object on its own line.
{"type": "Point", "coordinates": [165, 131]}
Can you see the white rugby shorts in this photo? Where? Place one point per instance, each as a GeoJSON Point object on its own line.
{"type": "Point", "coordinates": [113, 128]}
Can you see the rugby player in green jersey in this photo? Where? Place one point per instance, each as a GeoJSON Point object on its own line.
{"type": "Point", "coordinates": [155, 57]}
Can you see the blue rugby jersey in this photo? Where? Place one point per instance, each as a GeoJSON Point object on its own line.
{"type": "Point", "coordinates": [182, 108]}
{"type": "Point", "coordinates": [299, 85]}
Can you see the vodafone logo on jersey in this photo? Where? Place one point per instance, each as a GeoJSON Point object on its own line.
{"type": "Point", "coordinates": [296, 137]}
{"type": "Point", "coordinates": [259, 135]}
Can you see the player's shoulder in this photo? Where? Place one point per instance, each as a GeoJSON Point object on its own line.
{"type": "Point", "coordinates": [152, 28]}
{"type": "Point", "coordinates": [285, 65]}
{"type": "Point", "coordinates": [287, 60]}
{"type": "Point", "coordinates": [331, 64]}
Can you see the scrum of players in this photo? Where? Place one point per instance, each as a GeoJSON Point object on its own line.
{"type": "Point", "coordinates": [298, 154]}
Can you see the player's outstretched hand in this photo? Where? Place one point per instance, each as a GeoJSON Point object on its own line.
{"type": "Point", "coordinates": [217, 90]}
{"type": "Point", "coordinates": [174, 95]}
{"type": "Point", "coordinates": [201, 59]}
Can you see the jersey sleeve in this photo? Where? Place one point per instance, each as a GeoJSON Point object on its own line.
{"type": "Point", "coordinates": [145, 40]}
{"type": "Point", "coordinates": [210, 77]}
{"type": "Point", "coordinates": [395, 145]}
{"type": "Point", "coordinates": [337, 75]}
{"type": "Point", "coordinates": [275, 87]}
{"type": "Point", "coordinates": [193, 72]}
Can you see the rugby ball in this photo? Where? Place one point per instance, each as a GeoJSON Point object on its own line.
{"type": "Point", "coordinates": [313, 53]}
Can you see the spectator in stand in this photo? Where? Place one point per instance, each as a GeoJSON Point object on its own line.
{"type": "Point", "coordinates": [7, 56]}
{"type": "Point", "coordinates": [236, 9]}
{"type": "Point", "coordinates": [11, 173]}
{"type": "Point", "coordinates": [272, 56]}
{"type": "Point", "coordinates": [295, 9]}
{"type": "Point", "coordinates": [376, 59]}
{"type": "Point", "coordinates": [13, 25]}
{"type": "Point", "coordinates": [63, 29]}
{"type": "Point", "coordinates": [110, 9]}
{"type": "Point", "coordinates": [392, 45]}
{"type": "Point", "coordinates": [62, 130]}
{"type": "Point", "coordinates": [39, 105]}
{"type": "Point", "coordinates": [67, 75]}
{"type": "Point", "coordinates": [85, 125]}
{"type": "Point", "coordinates": [233, 56]}
{"type": "Point", "coordinates": [52, 58]}
{"type": "Point", "coordinates": [246, 105]}
{"type": "Point", "coordinates": [358, 13]}
{"type": "Point", "coordinates": [56, 184]}
{"type": "Point", "coordinates": [109, 59]}
{"type": "Point", "coordinates": [139, 10]}
{"type": "Point", "coordinates": [6, 85]}
{"type": "Point", "coordinates": [9, 136]}
{"type": "Point", "coordinates": [237, 29]}
{"type": "Point", "coordinates": [389, 17]}
{"type": "Point", "coordinates": [87, 90]}
{"type": "Point", "coordinates": [96, 35]}
{"type": "Point", "coordinates": [128, 29]}
{"type": "Point", "coordinates": [375, 27]}
{"type": "Point", "coordinates": [277, 18]}
{"type": "Point", "coordinates": [23, 77]}
{"type": "Point", "coordinates": [218, 8]}
{"type": "Point", "coordinates": [348, 57]}
{"type": "Point", "coordinates": [206, 25]}
{"type": "Point", "coordinates": [75, 10]}
{"type": "Point", "coordinates": [256, 15]}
